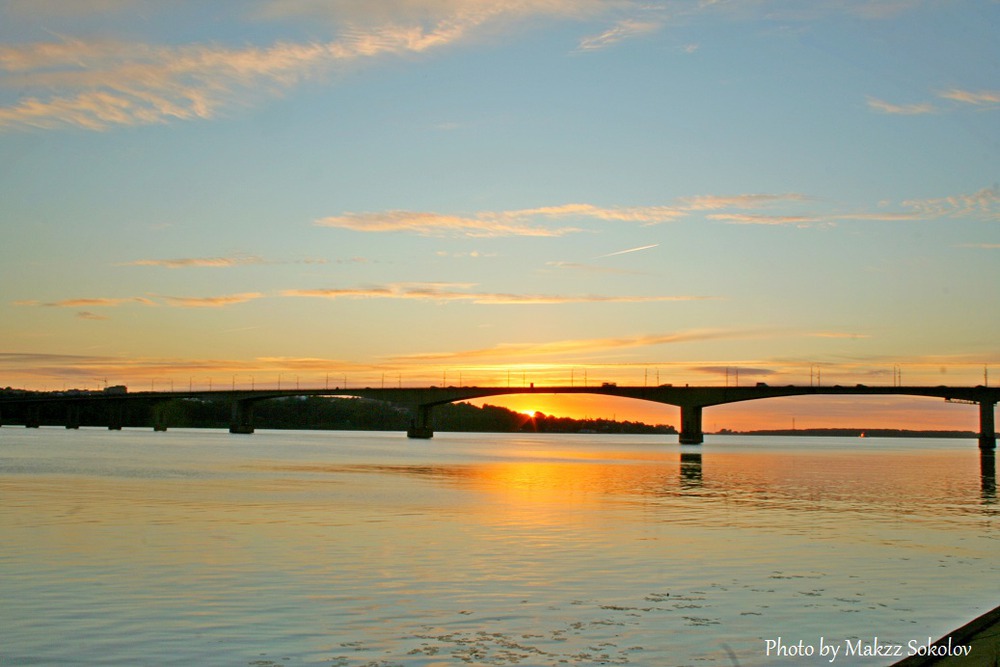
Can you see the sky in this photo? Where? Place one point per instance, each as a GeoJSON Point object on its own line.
{"type": "Point", "coordinates": [492, 192]}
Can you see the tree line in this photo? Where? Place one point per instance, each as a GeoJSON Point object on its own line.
{"type": "Point", "coordinates": [325, 413]}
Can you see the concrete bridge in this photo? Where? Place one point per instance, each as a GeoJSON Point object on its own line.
{"type": "Point", "coordinates": [691, 401]}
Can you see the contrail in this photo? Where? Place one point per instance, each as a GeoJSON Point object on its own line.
{"type": "Point", "coordinates": [622, 252]}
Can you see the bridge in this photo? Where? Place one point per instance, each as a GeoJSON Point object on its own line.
{"type": "Point", "coordinates": [421, 401]}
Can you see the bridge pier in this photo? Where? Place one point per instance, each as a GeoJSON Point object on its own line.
{"type": "Point", "coordinates": [72, 416]}
{"type": "Point", "coordinates": [159, 417]}
{"type": "Point", "coordinates": [421, 427]}
{"type": "Point", "coordinates": [116, 415]}
{"type": "Point", "coordinates": [987, 425]}
{"type": "Point", "coordinates": [33, 416]}
{"type": "Point", "coordinates": [242, 417]}
{"type": "Point", "coordinates": [691, 433]}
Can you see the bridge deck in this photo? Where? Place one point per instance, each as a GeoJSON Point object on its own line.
{"type": "Point", "coordinates": [690, 400]}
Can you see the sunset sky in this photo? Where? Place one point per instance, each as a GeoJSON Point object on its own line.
{"type": "Point", "coordinates": [420, 192]}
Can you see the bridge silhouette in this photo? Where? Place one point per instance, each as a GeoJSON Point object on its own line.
{"type": "Point", "coordinates": [422, 400]}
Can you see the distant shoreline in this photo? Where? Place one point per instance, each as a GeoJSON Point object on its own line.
{"type": "Point", "coordinates": [854, 433]}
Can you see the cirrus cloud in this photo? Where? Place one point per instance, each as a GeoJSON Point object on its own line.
{"type": "Point", "coordinates": [915, 109]}
{"type": "Point", "coordinates": [97, 84]}
{"type": "Point", "coordinates": [211, 301]}
{"type": "Point", "coordinates": [517, 222]}
{"type": "Point", "coordinates": [445, 292]}
{"type": "Point", "coordinates": [982, 97]}
{"type": "Point", "coordinates": [111, 302]}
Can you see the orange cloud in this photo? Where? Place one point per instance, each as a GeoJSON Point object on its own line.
{"type": "Point", "coordinates": [900, 109]}
{"type": "Point", "coordinates": [518, 351]}
{"type": "Point", "coordinates": [214, 262]}
{"type": "Point", "coordinates": [455, 292]}
{"type": "Point", "coordinates": [749, 219]}
{"type": "Point", "coordinates": [437, 224]}
{"type": "Point", "coordinates": [969, 97]}
{"type": "Point", "coordinates": [187, 302]}
{"type": "Point", "coordinates": [211, 301]}
{"type": "Point", "coordinates": [88, 302]}
{"type": "Point", "coordinates": [99, 84]}
{"type": "Point", "coordinates": [712, 202]}
{"type": "Point", "coordinates": [519, 222]}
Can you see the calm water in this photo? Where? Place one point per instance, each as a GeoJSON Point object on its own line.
{"type": "Point", "coordinates": [327, 548]}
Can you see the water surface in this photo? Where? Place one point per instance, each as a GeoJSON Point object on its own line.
{"type": "Point", "coordinates": [336, 548]}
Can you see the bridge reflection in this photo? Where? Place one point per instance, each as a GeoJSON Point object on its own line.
{"type": "Point", "coordinates": [988, 476]}
{"type": "Point", "coordinates": [690, 470]}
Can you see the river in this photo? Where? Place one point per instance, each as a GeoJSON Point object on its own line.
{"type": "Point", "coordinates": [357, 548]}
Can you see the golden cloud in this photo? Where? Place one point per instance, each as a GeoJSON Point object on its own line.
{"type": "Point", "coordinates": [969, 97]}
{"type": "Point", "coordinates": [110, 302]}
{"type": "Point", "coordinates": [98, 84]}
{"type": "Point", "coordinates": [212, 262]}
{"type": "Point", "coordinates": [437, 224]}
{"type": "Point", "coordinates": [900, 109]}
{"type": "Point", "coordinates": [518, 222]}
{"type": "Point", "coordinates": [748, 219]}
{"type": "Point", "coordinates": [211, 301]}
{"type": "Point", "coordinates": [517, 351]}
{"type": "Point", "coordinates": [444, 292]}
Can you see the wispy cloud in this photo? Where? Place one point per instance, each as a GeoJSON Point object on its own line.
{"type": "Point", "coordinates": [437, 224]}
{"type": "Point", "coordinates": [624, 29]}
{"type": "Point", "coordinates": [100, 302]}
{"type": "Point", "coordinates": [518, 222]}
{"type": "Point", "coordinates": [445, 292]}
{"type": "Point", "coordinates": [211, 301]}
{"type": "Point", "coordinates": [227, 262]}
{"type": "Point", "coordinates": [978, 98]}
{"type": "Point", "coordinates": [111, 302]}
{"type": "Point", "coordinates": [984, 203]}
{"type": "Point", "coordinates": [752, 219]}
{"type": "Point", "coordinates": [555, 349]}
{"type": "Point", "coordinates": [741, 209]}
{"type": "Point", "coordinates": [748, 201]}
{"type": "Point", "coordinates": [99, 84]}
{"type": "Point", "coordinates": [187, 262]}
{"type": "Point", "coordinates": [900, 109]}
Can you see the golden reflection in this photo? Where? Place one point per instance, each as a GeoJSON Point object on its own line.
{"type": "Point", "coordinates": [584, 477]}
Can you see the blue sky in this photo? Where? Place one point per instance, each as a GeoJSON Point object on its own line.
{"type": "Point", "coordinates": [433, 189]}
